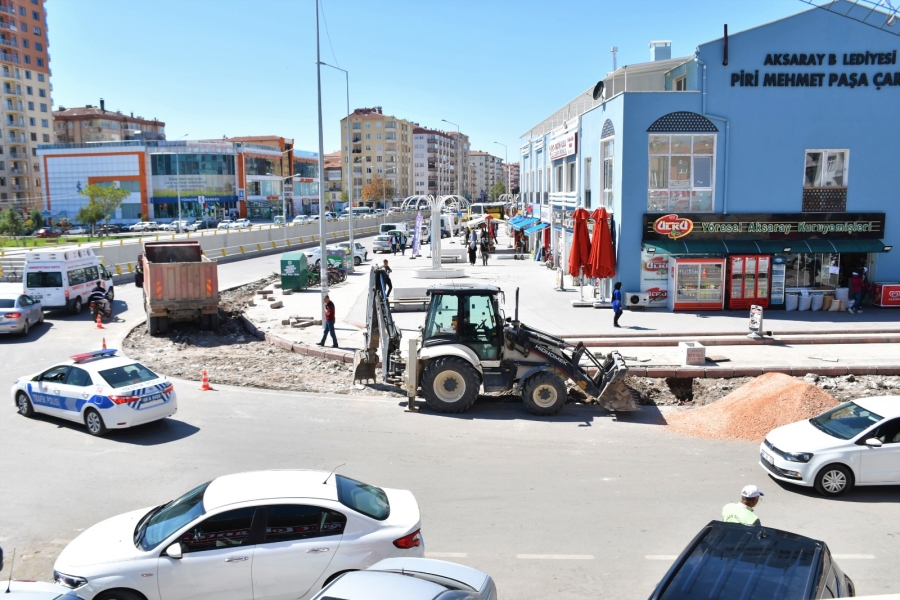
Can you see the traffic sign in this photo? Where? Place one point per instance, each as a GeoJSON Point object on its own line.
{"type": "Point", "coordinates": [240, 193]}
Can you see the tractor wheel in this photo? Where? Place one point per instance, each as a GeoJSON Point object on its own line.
{"type": "Point", "coordinates": [450, 385]}
{"type": "Point", "coordinates": [544, 393]}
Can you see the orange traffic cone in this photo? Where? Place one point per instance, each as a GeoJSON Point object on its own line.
{"type": "Point", "coordinates": [104, 343]}
{"type": "Point", "coordinates": [99, 322]}
{"type": "Point", "coordinates": [205, 383]}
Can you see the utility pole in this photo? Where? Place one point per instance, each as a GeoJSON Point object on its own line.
{"type": "Point", "coordinates": [323, 256]}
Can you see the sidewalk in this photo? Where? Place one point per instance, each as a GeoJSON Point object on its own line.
{"type": "Point", "coordinates": [641, 336]}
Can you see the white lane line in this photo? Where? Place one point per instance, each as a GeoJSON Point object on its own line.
{"type": "Point", "coordinates": [555, 556]}
{"type": "Point", "coordinates": [853, 556]}
{"type": "Point", "coordinates": [660, 557]}
{"type": "Point", "coordinates": [446, 555]}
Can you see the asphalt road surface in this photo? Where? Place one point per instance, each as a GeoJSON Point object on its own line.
{"type": "Point", "coordinates": [575, 506]}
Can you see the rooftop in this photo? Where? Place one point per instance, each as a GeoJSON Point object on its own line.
{"type": "Point", "coordinates": [92, 112]}
{"type": "Point", "coordinates": [266, 485]}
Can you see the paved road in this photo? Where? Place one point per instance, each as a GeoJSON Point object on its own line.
{"type": "Point", "coordinates": [568, 507]}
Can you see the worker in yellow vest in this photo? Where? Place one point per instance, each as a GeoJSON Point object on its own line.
{"type": "Point", "coordinates": [743, 512]}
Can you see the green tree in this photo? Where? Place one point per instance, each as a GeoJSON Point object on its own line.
{"type": "Point", "coordinates": [377, 191]}
{"type": "Point", "coordinates": [102, 203]}
{"type": "Point", "coordinates": [90, 214]}
{"type": "Point", "coordinates": [12, 223]}
{"type": "Point", "coordinates": [497, 190]}
{"type": "Point", "coordinates": [36, 218]}
{"type": "Point", "coordinates": [345, 197]}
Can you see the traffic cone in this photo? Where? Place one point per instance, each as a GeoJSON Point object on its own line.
{"type": "Point", "coordinates": [99, 322]}
{"type": "Point", "coordinates": [205, 383]}
{"type": "Point", "coordinates": [104, 343]}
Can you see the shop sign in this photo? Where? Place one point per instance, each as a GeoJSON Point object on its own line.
{"type": "Point", "coordinates": [563, 145]}
{"type": "Point", "coordinates": [780, 227]}
{"type": "Point", "coordinates": [655, 277]}
{"type": "Point", "coordinates": [546, 213]}
{"type": "Point", "coordinates": [885, 76]}
{"type": "Point", "coordinates": [887, 294]}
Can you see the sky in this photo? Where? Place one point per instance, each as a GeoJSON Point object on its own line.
{"type": "Point", "coordinates": [209, 68]}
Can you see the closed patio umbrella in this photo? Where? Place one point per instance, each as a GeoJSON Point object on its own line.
{"type": "Point", "coordinates": [603, 256]}
{"type": "Point", "coordinates": [580, 253]}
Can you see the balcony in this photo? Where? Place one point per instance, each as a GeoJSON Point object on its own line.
{"type": "Point", "coordinates": [356, 139]}
{"type": "Point", "coordinates": [8, 9]}
{"type": "Point", "coordinates": [6, 57]}
{"type": "Point", "coordinates": [10, 43]}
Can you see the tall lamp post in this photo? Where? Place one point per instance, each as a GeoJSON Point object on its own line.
{"type": "Point", "coordinates": [323, 251]}
{"type": "Point", "coordinates": [349, 186]}
{"type": "Point", "coordinates": [178, 182]}
{"type": "Point", "coordinates": [506, 164]}
{"type": "Point", "coordinates": [458, 158]}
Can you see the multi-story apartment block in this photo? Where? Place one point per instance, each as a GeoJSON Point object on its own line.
{"type": "Point", "coordinates": [511, 175]}
{"type": "Point", "coordinates": [487, 170]}
{"type": "Point", "coordinates": [376, 145]}
{"type": "Point", "coordinates": [334, 178]}
{"type": "Point", "coordinates": [437, 156]}
{"type": "Point", "coordinates": [26, 117]}
{"type": "Point", "coordinates": [96, 124]}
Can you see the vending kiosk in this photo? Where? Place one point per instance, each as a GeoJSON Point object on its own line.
{"type": "Point", "coordinates": [749, 281]}
{"type": "Point", "coordinates": [696, 284]}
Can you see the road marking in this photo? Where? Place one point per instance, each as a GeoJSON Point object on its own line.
{"type": "Point", "coordinates": [853, 556]}
{"type": "Point", "coordinates": [446, 555]}
{"type": "Point", "coordinates": [555, 556]}
{"type": "Point", "coordinates": [4, 538]}
{"type": "Point", "coordinates": [660, 557]}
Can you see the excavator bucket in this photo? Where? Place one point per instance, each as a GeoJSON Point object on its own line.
{"type": "Point", "coordinates": [614, 394]}
{"type": "Point", "coordinates": [364, 363]}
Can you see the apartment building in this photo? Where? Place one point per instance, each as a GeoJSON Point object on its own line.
{"type": "Point", "coordinates": [334, 177]}
{"type": "Point", "coordinates": [26, 117]}
{"type": "Point", "coordinates": [487, 170]}
{"type": "Point", "coordinates": [511, 175]}
{"type": "Point", "coordinates": [96, 124]}
{"type": "Point", "coordinates": [377, 145]}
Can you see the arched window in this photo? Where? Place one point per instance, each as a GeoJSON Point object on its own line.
{"type": "Point", "coordinates": [681, 153]}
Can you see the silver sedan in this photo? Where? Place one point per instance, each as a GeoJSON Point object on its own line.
{"type": "Point", "coordinates": [18, 313]}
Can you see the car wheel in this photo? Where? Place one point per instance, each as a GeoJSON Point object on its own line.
{"type": "Point", "coordinates": [357, 261]}
{"type": "Point", "coordinates": [25, 328]}
{"type": "Point", "coordinates": [544, 394]}
{"type": "Point", "coordinates": [23, 405]}
{"type": "Point", "coordinates": [41, 320]}
{"type": "Point", "coordinates": [94, 422]}
{"type": "Point", "coordinates": [119, 595]}
{"type": "Point", "coordinates": [76, 306]}
{"type": "Point", "coordinates": [110, 295]}
{"type": "Point", "coordinates": [834, 480]}
{"type": "Point", "coordinates": [450, 385]}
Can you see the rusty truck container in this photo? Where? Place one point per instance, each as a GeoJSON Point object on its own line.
{"type": "Point", "coordinates": [180, 284]}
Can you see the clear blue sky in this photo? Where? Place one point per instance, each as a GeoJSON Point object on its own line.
{"type": "Point", "coordinates": [497, 67]}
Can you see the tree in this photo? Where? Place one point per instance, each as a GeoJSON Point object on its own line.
{"type": "Point", "coordinates": [378, 191]}
{"type": "Point", "coordinates": [36, 218]}
{"type": "Point", "coordinates": [12, 223]}
{"type": "Point", "coordinates": [102, 203]}
{"type": "Point", "coordinates": [497, 190]}
{"type": "Point", "coordinates": [345, 197]}
{"type": "Point", "coordinates": [90, 214]}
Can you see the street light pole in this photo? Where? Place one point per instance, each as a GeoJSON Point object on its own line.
{"type": "Point", "coordinates": [349, 186]}
{"type": "Point", "coordinates": [323, 252]}
{"type": "Point", "coordinates": [506, 164]}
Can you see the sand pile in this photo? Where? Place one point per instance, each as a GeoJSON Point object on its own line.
{"type": "Point", "coordinates": [754, 409]}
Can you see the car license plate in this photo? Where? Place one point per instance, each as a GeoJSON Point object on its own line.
{"type": "Point", "coordinates": [152, 400]}
{"type": "Point", "coordinates": [767, 458]}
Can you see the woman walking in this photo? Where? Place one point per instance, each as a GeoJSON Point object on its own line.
{"type": "Point", "coordinates": [473, 245]}
{"type": "Point", "coordinates": [485, 248]}
{"type": "Point", "coordinates": [617, 303]}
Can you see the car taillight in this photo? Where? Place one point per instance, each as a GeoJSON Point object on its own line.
{"type": "Point", "coordinates": [169, 389]}
{"type": "Point", "coordinates": [12, 315]}
{"type": "Point", "coordinates": [413, 540]}
{"type": "Point", "coordinates": [123, 399]}
{"type": "Point", "coordinates": [67, 294]}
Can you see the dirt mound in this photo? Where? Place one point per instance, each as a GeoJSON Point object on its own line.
{"type": "Point", "coordinates": [754, 409]}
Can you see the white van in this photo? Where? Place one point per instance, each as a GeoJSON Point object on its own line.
{"type": "Point", "coordinates": [64, 278]}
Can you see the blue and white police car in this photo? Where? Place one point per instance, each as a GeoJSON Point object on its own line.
{"type": "Point", "coordinates": [99, 389]}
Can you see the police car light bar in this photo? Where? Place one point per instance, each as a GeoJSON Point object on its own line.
{"type": "Point", "coordinates": [89, 355]}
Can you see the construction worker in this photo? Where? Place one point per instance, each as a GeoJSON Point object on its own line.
{"type": "Point", "coordinates": [743, 512]}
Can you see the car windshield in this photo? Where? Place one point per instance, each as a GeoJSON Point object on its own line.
{"type": "Point", "coordinates": [362, 497]}
{"type": "Point", "coordinates": [163, 521]}
{"type": "Point", "coordinates": [43, 280]}
{"type": "Point", "coordinates": [128, 375]}
{"type": "Point", "coordinates": [845, 421]}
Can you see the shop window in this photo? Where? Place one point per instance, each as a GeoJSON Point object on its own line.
{"type": "Point", "coordinates": [681, 173]}
{"type": "Point", "coordinates": [607, 150]}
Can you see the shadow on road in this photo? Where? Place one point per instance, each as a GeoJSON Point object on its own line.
{"type": "Point", "coordinates": [862, 494]}
{"type": "Point", "coordinates": [35, 333]}
{"type": "Point", "coordinates": [151, 434]}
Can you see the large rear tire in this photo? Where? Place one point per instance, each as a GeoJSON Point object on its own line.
{"type": "Point", "coordinates": [544, 394]}
{"type": "Point", "coordinates": [450, 385]}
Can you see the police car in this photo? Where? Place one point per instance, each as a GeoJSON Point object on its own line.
{"type": "Point", "coordinates": [99, 389]}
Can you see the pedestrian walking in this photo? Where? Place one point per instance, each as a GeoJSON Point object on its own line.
{"type": "Point", "coordinates": [485, 248]}
{"type": "Point", "coordinates": [856, 290]}
{"type": "Point", "coordinates": [473, 245]}
{"type": "Point", "coordinates": [387, 279]}
{"type": "Point", "coordinates": [743, 512]}
{"type": "Point", "coordinates": [402, 244]}
{"type": "Point", "coordinates": [867, 287]}
{"type": "Point", "coordinates": [617, 303]}
{"type": "Point", "coordinates": [394, 244]}
{"type": "Point", "coordinates": [328, 323]}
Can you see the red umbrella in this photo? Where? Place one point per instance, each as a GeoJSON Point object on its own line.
{"type": "Point", "coordinates": [580, 254]}
{"type": "Point", "coordinates": [603, 256]}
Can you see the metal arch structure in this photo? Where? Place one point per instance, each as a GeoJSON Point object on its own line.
{"type": "Point", "coordinates": [883, 15]}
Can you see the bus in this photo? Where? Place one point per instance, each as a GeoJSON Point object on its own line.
{"type": "Point", "coordinates": [495, 209]}
{"type": "Point", "coordinates": [359, 211]}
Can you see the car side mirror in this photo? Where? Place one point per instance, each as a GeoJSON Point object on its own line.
{"type": "Point", "coordinates": [174, 551]}
{"type": "Point", "coordinates": [873, 443]}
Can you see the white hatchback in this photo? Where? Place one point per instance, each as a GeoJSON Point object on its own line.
{"type": "Point", "coordinates": [265, 535]}
{"type": "Point", "coordinates": [854, 443]}
{"type": "Point", "coordinates": [99, 389]}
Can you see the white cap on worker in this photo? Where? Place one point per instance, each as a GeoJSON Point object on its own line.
{"type": "Point", "coordinates": [751, 491]}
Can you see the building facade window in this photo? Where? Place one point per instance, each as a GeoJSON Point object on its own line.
{"type": "Point", "coordinates": [45, 123]}
{"type": "Point", "coordinates": [29, 90]}
{"type": "Point", "coordinates": [559, 179]}
{"type": "Point", "coordinates": [607, 151]}
{"type": "Point", "coordinates": [42, 92]}
{"type": "Point", "coordinates": [570, 180]}
{"type": "Point", "coordinates": [27, 59]}
{"type": "Point", "coordinates": [40, 62]}
{"type": "Point", "coordinates": [31, 106]}
{"type": "Point", "coordinates": [39, 46]}
{"type": "Point", "coordinates": [43, 108]}
{"type": "Point", "coordinates": [587, 182]}
{"type": "Point", "coordinates": [826, 168]}
{"type": "Point", "coordinates": [40, 77]}
{"type": "Point", "coordinates": [681, 173]}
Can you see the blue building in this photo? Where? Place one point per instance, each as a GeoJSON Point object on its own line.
{"type": "Point", "coordinates": [774, 143]}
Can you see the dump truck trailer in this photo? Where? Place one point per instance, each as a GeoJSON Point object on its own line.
{"type": "Point", "coordinates": [180, 284]}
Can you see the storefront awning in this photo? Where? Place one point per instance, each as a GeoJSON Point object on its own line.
{"type": "Point", "coordinates": [764, 247]}
{"type": "Point", "coordinates": [526, 222]}
{"type": "Point", "coordinates": [536, 228]}
{"type": "Point", "coordinates": [687, 246]}
{"type": "Point", "coordinates": [516, 220]}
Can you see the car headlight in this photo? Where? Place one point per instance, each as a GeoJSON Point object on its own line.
{"type": "Point", "coordinates": [70, 581]}
{"type": "Point", "coordinates": [800, 457]}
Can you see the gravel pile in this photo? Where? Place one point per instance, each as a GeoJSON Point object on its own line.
{"type": "Point", "coordinates": [754, 409]}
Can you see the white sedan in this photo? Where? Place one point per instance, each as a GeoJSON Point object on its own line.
{"type": "Point", "coordinates": [359, 254]}
{"type": "Point", "coordinates": [99, 389]}
{"type": "Point", "coordinates": [265, 535]}
{"type": "Point", "coordinates": [854, 443]}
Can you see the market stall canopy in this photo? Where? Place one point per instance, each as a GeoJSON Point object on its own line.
{"type": "Point", "coordinates": [763, 246]}
{"type": "Point", "coordinates": [537, 227]}
{"type": "Point", "coordinates": [603, 255]}
{"type": "Point", "coordinates": [580, 254]}
{"type": "Point", "coordinates": [525, 222]}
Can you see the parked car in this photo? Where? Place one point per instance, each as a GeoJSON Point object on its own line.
{"type": "Point", "coordinates": [263, 534]}
{"type": "Point", "coordinates": [382, 243]}
{"type": "Point", "coordinates": [204, 223]}
{"type": "Point", "coordinates": [46, 232]}
{"type": "Point", "coordinates": [18, 313]}
{"type": "Point", "coordinates": [314, 255]}
{"type": "Point", "coordinates": [331, 216]}
{"type": "Point", "coordinates": [37, 590]}
{"type": "Point", "coordinates": [300, 220]}
{"type": "Point", "coordinates": [241, 224]}
{"type": "Point", "coordinates": [412, 579]}
{"type": "Point", "coordinates": [225, 224]}
{"type": "Point", "coordinates": [854, 443]}
{"type": "Point", "coordinates": [313, 219]}
{"type": "Point", "coordinates": [108, 228]}
{"type": "Point", "coordinates": [731, 560]}
{"type": "Point", "coordinates": [360, 253]}
{"type": "Point", "coordinates": [78, 230]}
{"type": "Point", "coordinates": [144, 226]}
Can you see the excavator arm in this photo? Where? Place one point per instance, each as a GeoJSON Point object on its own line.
{"type": "Point", "coordinates": [381, 332]}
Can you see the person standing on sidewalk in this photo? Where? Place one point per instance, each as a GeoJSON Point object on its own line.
{"type": "Point", "coordinates": [329, 323]}
{"type": "Point", "coordinates": [743, 512]}
{"type": "Point", "coordinates": [856, 289]}
{"type": "Point", "coordinates": [617, 303]}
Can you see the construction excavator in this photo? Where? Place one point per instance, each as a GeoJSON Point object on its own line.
{"type": "Point", "coordinates": [466, 346]}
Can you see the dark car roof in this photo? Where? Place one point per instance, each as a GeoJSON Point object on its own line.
{"type": "Point", "coordinates": [729, 561]}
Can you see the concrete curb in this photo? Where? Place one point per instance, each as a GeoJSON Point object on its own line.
{"type": "Point", "coordinates": [335, 354]}
{"type": "Point", "coordinates": [860, 338]}
{"type": "Point", "coordinates": [729, 372]}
